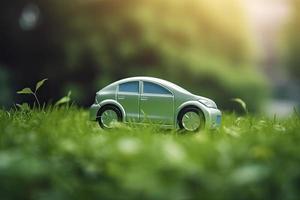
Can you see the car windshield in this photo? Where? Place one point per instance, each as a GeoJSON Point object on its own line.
{"type": "Point", "coordinates": [177, 87]}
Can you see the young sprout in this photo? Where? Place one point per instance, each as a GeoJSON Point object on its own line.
{"type": "Point", "coordinates": [28, 90]}
{"type": "Point", "coordinates": [64, 100]}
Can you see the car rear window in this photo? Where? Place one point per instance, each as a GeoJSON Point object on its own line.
{"type": "Point", "coordinates": [155, 89]}
{"type": "Point", "coordinates": [129, 87]}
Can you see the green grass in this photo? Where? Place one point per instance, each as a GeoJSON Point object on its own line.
{"type": "Point", "coordinates": [59, 154]}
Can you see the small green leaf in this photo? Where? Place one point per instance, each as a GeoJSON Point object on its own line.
{"type": "Point", "coordinates": [69, 93]}
{"type": "Point", "coordinates": [63, 100]}
{"type": "Point", "coordinates": [40, 83]}
{"type": "Point", "coordinates": [241, 102]}
{"type": "Point", "coordinates": [25, 91]}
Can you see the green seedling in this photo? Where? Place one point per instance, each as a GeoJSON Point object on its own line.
{"type": "Point", "coordinates": [29, 91]}
{"type": "Point", "coordinates": [64, 100]}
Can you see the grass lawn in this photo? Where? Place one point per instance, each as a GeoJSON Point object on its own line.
{"type": "Point", "coordinates": [59, 154]}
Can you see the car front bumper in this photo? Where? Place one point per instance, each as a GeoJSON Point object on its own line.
{"type": "Point", "coordinates": [93, 111]}
{"type": "Point", "coordinates": [214, 118]}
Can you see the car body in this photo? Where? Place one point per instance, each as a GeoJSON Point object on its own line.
{"type": "Point", "coordinates": [153, 100]}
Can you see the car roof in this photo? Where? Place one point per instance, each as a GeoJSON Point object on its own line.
{"type": "Point", "coordinates": [165, 83]}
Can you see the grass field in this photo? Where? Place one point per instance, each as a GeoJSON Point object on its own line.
{"type": "Point", "coordinates": [59, 154]}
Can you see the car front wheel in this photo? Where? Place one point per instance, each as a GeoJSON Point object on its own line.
{"type": "Point", "coordinates": [108, 116]}
{"type": "Point", "coordinates": [191, 119]}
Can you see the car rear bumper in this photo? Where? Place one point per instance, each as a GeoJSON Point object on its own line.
{"type": "Point", "coordinates": [214, 118]}
{"type": "Point", "coordinates": [93, 111]}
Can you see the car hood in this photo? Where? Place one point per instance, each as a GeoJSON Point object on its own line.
{"type": "Point", "coordinates": [202, 98]}
{"type": "Point", "coordinates": [206, 101]}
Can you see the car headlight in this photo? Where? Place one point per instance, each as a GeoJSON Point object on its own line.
{"type": "Point", "coordinates": [207, 103]}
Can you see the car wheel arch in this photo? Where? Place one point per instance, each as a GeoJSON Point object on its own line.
{"type": "Point", "coordinates": [113, 103]}
{"type": "Point", "coordinates": [192, 104]}
{"type": "Point", "coordinates": [187, 107]}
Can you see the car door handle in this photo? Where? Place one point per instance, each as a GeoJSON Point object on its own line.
{"type": "Point", "coordinates": [121, 97]}
{"type": "Point", "coordinates": [144, 98]}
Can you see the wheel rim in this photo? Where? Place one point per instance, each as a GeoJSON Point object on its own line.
{"type": "Point", "coordinates": [108, 118]}
{"type": "Point", "coordinates": [191, 121]}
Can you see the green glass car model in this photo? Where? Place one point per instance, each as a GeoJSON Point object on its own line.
{"type": "Point", "coordinates": [153, 100]}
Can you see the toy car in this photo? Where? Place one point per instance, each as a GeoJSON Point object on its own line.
{"type": "Point", "coordinates": [156, 101]}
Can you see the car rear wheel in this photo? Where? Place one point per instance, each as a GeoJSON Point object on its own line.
{"type": "Point", "coordinates": [191, 119]}
{"type": "Point", "coordinates": [108, 116]}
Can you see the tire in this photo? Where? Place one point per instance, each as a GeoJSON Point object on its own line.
{"type": "Point", "coordinates": [191, 119]}
{"type": "Point", "coordinates": [107, 112]}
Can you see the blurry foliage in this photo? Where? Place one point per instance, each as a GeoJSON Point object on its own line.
{"type": "Point", "coordinates": [204, 46]}
{"type": "Point", "coordinates": [292, 47]}
{"type": "Point", "coordinates": [58, 154]}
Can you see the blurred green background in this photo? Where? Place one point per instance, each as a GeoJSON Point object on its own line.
{"type": "Point", "coordinates": [216, 48]}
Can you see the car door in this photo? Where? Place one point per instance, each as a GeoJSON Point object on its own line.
{"type": "Point", "coordinates": [156, 104]}
{"type": "Point", "coordinates": [128, 96]}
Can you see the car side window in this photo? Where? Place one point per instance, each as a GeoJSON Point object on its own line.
{"type": "Point", "coordinates": [129, 87]}
{"type": "Point", "coordinates": [155, 89]}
